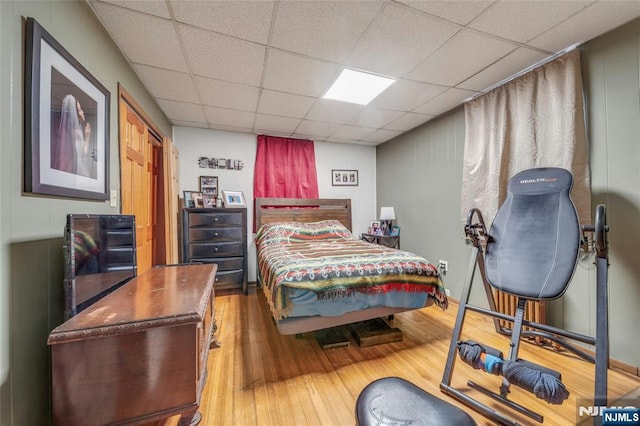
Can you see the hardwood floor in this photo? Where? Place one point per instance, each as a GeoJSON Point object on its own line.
{"type": "Point", "coordinates": [259, 377]}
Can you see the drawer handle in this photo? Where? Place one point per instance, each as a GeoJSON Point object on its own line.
{"type": "Point", "coordinates": [217, 279]}
{"type": "Point", "coordinates": [215, 234]}
{"type": "Point", "coordinates": [215, 219]}
{"type": "Point", "coordinates": [215, 249]}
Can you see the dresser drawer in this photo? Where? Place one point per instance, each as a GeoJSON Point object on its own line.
{"type": "Point", "coordinates": [224, 263]}
{"type": "Point", "coordinates": [226, 277]}
{"type": "Point", "coordinates": [222, 249]}
{"type": "Point", "coordinates": [215, 219]}
{"type": "Point", "coordinates": [215, 234]}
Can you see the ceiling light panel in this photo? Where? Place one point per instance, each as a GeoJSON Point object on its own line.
{"type": "Point", "coordinates": [357, 87]}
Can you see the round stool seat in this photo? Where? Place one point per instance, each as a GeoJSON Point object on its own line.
{"type": "Point", "coordinates": [395, 401]}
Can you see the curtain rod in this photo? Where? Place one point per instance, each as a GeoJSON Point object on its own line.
{"type": "Point", "coordinates": [523, 72]}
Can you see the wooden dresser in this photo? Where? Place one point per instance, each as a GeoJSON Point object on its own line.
{"type": "Point", "coordinates": [139, 354]}
{"type": "Point", "coordinates": [217, 235]}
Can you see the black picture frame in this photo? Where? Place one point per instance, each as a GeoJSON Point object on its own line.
{"type": "Point", "coordinates": [344, 177]}
{"type": "Point", "coordinates": [63, 156]}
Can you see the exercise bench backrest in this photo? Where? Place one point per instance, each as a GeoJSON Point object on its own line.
{"type": "Point", "coordinates": [535, 236]}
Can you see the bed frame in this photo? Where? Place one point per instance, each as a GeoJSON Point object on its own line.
{"type": "Point", "coordinates": [273, 210]}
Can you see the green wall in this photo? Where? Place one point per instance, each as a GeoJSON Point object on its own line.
{"type": "Point", "coordinates": [31, 227]}
{"type": "Point", "coordinates": [427, 165]}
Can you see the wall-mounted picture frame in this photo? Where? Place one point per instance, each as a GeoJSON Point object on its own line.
{"type": "Point", "coordinates": [66, 145]}
{"type": "Point", "coordinates": [209, 185]}
{"type": "Point", "coordinates": [233, 199]}
{"type": "Point", "coordinates": [344, 177]}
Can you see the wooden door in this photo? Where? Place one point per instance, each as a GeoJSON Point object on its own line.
{"type": "Point", "coordinates": [148, 181]}
{"type": "Point", "coordinates": [171, 200]}
{"type": "Point", "coordinates": [136, 181]}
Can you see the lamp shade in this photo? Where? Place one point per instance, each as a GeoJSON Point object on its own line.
{"type": "Point", "coordinates": [387, 213]}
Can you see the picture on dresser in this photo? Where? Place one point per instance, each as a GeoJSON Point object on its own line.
{"type": "Point", "coordinates": [209, 185]}
{"type": "Point", "coordinates": [188, 199]}
{"type": "Point", "coordinates": [209, 200]}
{"type": "Point", "coordinates": [234, 199]}
{"type": "Point", "coordinates": [197, 199]}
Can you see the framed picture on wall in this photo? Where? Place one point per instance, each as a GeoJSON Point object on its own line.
{"type": "Point", "coordinates": [209, 185]}
{"type": "Point", "coordinates": [344, 177]}
{"type": "Point", "coordinates": [66, 149]}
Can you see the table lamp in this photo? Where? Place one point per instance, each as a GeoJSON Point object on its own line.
{"type": "Point", "coordinates": [387, 214]}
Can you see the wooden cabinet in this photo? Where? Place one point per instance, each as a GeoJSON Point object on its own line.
{"type": "Point", "coordinates": [139, 354]}
{"type": "Point", "coordinates": [217, 235]}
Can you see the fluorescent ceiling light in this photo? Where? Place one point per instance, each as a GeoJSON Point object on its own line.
{"type": "Point", "coordinates": [357, 87]}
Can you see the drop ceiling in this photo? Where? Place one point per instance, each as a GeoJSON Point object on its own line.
{"type": "Point", "coordinates": [262, 67]}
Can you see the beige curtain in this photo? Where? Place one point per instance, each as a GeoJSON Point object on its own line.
{"type": "Point", "coordinates": [535, 120]}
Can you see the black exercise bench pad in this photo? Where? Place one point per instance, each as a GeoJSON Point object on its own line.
{"type": "Point", "coordinates": [393, 400]}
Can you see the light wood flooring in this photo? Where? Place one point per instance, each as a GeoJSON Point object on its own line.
{"type": "Point", "coordinates": [259, 377]}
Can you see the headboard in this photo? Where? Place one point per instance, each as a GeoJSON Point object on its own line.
{"type": "Point", "coordinates": [270, 210]}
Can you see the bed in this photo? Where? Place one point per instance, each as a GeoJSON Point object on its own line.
{"type": "Point", "coordinates": [316, 274]}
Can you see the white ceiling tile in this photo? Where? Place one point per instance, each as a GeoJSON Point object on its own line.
{"type": "Point", "coordinates": [165, 84]}
{"type": "Point", "coordinates": [331, 139]}
{"type": "Point", "coordinates": [409, 121]}
{"type": "Point", "coordinates": [444, 102]}
{"type": "Point", "coordinates": [461, 57]}
{"type": "Point", "coordinates": [231, 128]}
{"type": "Point", "coordinates": [506, 67]}
{"type": "Point", "coordinates": [182, 111]}
{"type": "Point", "coordinates": [369, 143]}
{"type": "Point", "coordinates": [589, 23]}
{"type": "Point", "coordinates": [524, 20]}
{"type": "Point", "coordinates": [405, 95]}
{"type": "Point", "coordinates": [157, 8]}
{"type": "Point", "coordinates": [458, 11]}
{"type": "Point", "coordinates": [322, 29]}
{"type": "Point", "coordinates": [223, 57]}
{"type": "Point", "coordinates": [249, 20]}
{"type": "Point", "coordinates": [382, 135]}
{"type": "Point", "coordinates": [352, 132]}
{"type": "Point", "coordinates": [399, 39]}
{"type": "Point", "coordinates": [229, 117]}
{"type": "Point", "coordinates": [225, 94]}
{"type": "Point", "coordinates": [144, 39]}
{"type": "Point", "coordinates": [203, 125]}
{"type": "Point", "coordinates": [292, 73]}
{"type": "Point", "coordinates": [274, 123]}
{"type": "Point", "coordinates": [316, 128]}
{"type": "Point", "coordinates": [285, 104]}
{"type": "Point", "coordinates": [374, 117]}
{"type": "Point", "coordinates": [333, 111]}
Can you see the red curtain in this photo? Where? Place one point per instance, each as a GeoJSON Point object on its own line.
{"type": "Point", "coordinates": [285, 168]}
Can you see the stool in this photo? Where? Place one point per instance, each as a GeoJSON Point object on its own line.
{"type": "Point", "coordinates": [393, 400]}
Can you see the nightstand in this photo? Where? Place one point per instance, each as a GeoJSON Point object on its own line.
{"type": "Point", "coordinates": [392, 241]}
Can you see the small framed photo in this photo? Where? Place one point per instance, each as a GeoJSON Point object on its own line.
{"type": "Point", "coordinates": [188, 199]}
{"type": "Point", "coordinates": [374, 228]}
{"type": "Point", "coordinates": [209, 200]}
{"type": "Point", "coordinates": [395, 231]}
{"type": "Point", "coordinates": [344, 177]}
{"type": "Point", "coordinates": [197, 199]}
{"type": "Point", "coordinates": [233, 199]}
{"type": "Point", "coordinates": [209, 185]}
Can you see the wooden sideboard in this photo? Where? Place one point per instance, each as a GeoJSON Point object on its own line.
{"type": "Point", "coordinates": [139, 354]}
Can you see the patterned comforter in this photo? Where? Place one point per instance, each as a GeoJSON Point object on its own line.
{"type": "Point", "coordinates": [326, 258]}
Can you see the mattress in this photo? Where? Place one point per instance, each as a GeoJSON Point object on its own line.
{"type": "Point", "coordinates": [321, 268]}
